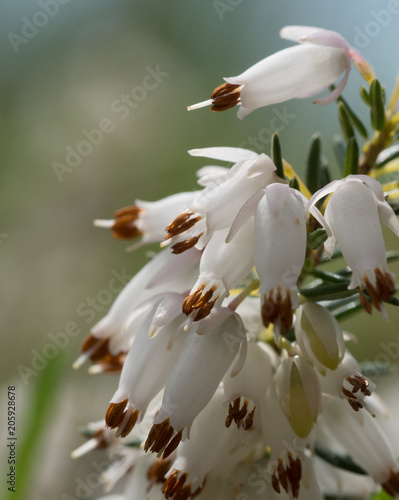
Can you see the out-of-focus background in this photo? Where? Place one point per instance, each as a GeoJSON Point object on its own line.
{"type": "Point", "coordinates": [67, 68]}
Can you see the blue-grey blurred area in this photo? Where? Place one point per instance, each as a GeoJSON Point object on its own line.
{"type": "Point", "coordinates": [74, 150]}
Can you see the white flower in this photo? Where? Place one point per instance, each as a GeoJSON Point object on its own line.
{"type": "Point", "coordinates": [148, 364]}
{"type": "Point", "coordinates": [319, 336]}
{"type": "Point", "coordinates": [279, 251]}
{"type": "Point", "coordinates": [222, 267]}
{"type": "Point", "coordinates": [216, 206]}
{"type": "Point", "coordinates": [147, 219]}
{"type": "Point", "coordinates": [352, 218]}
{"type": "Point", "coordinates": [299, 394]}
{"type": "Point", "coordinates": [165, 272]}
{"type": "Point", "coordinates": [296, 72]}
{"type": "Point", "coordinates": [205, 358]}
{"type": "Point", "coordinates": [362, 438]}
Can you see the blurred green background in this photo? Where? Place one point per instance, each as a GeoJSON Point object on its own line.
{"type": "Point", "coordinates": [62, 73]}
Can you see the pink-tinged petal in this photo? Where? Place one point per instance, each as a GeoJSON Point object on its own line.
{"type": "Point", "coordinates": [362, 65]}
{"type": "Point", "coordinates": [337, 91]}
{"type": "Point", "coordinates": [295, 33]}
{"type": "Point", "coordinates": [326, 39]}
{"type": "Point", "coordinates": [245, 213]}
{"type": "Point", "coordinates": [234, 155]}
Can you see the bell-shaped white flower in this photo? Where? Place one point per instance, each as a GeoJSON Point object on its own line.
{"type": "Point", "coordinates": [245, 391]}
{"type": "Point", "coordinates": [165, 272]}
{"type": "Point", "coordinates": [362, 438]}
{"type": "Point", "coordinates": [296, 72]}
{"type": "Point", "coordinates": [146, 219]}
{"type": "Point", "coordinates": [206, 357]}
{"type": "Point", "coordinates": [147, 366]}
{"type": "Point", "coordinates": [209, 444]}
{"type": "Point", "coordinates": [223, 266]}
{"type": "Point", "coordinates": [279, 251]}
{"type": "Point", "coordinates": [319, 336]}
{"type": "Point", "coordinates": [347, 382]}
{"type": "Point", "coordinates": [216, 206]}
{"type": "Point", "coordinates": [352, 219]}
{"type": "Point", "coordinates": [299, 394]}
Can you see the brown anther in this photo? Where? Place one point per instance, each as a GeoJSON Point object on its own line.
{"type": "Point", "coordinates": [175, 487]}
{"type": "Point", "coordinates": [276, 309]}
{"type": "Point", "coordinates": [131, 422]}
{"type": "Point", "coordinates": [289, 477]}
{"type": "Point", "coordinates": [124, 226]}
{"type": "Point", "coordinates": [205, 311]}
{"type": "Point", "coordinates": [115, 414]}
{"type": "Point", "coordinates": [359, 383]}
{"type": "Point", "coordinates": [348, 394]}
{"type": "Point", "coordinates": [173, 444]}
{"type": "Point", "coordinates": [383, 291]}
{"type": "Point", "coordinates": [391, 486]}
{"type": "Point", "coordinates": [97, 347]}
{"type": "Point", "coordinates": [182, 223]}
{"type": "Point", "coordinates": [275, 483]}
{"type": "Point", "coordinates": [157, 471]}
{"type": "Point", "coordinates": [199, 301]}
{"type": "Point", "coordinates": [182, 246]}
{"type": "Point", "coordinates": [249, 421]}
{"type": "Point", "coordinates": [225, 97]}
{"type": "Point", "coordinates": [113, 364]}
{"type": "Point", "coordinates": [101, 441]}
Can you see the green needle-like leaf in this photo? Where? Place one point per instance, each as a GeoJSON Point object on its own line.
{"type": "Point", "coordinates": [329, 277]}
{"type": "Point", "coordinates": [313, 163]}
{"type": "Point", "coordinates": [294, 184]}
{"type": "Point", "coordinates": [340, 461]}
{"type": "Point", "coordinates": [277, 156]}
{"type": "Point", "coordinates": [352, 157]}
{"type": "Point", "coordinates": [377, 105]}
{"type": "Point", "coordinates": [331, 291]}
{"type": "Point", "coordinates": [387, 155]}
{"type": "Point", "coordinates": [357, 123]}
{"type": "Point", "coordinates": [317, 238]}
{"type": "Point", "coordinates": [345, 122]}
{"type": "Point", "coordinates": [365, 96]}
{"type": "Point", "coordinates": [339, 151]}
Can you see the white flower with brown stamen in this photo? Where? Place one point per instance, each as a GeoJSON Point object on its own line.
{"type": "Point", "coordinates": [148, 364]}
{"type": "Point", "coordinates": [352, 219]}
{"type": "Point", "coordinates": [279, 249]}
{"type": "Point", "coordinates": [165, 272]}
{"type": "Point", "coordinates": [347, 382]}
{"type": "Point", "coordinates": [147, 219]}
{"type": "Point", "coordinates": [209, 444]}
{"type": "Point", "coordinates": [245, 391]}
{"type": "Point", "coordinates": [362, 438]}
{"type": "Point", "coordinates": [319, 336]}
{"type": "Point", "coordinates": [205, 358]}
{"type": "Point", "coordinates": [215, 207]}
{"type": "Point", "coordinates": [296, 72]}
{"type": "Point", "coordinates": [223, 266]}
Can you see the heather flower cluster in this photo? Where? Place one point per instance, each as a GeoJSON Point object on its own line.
{"type": "Point", "coordinates": [235, 377]}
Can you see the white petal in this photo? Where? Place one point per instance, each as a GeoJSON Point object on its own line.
{"type": "Point", "coordinates": [233, 155]}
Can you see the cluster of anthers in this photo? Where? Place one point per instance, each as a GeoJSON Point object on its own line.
{"type": "Point", "coordinates": [231, 379]}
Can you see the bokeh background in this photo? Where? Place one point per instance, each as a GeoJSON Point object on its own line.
{"type": "Point", "coordinates": [62, 73]}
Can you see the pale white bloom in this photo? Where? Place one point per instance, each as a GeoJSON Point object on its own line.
{"type": "Point", "coordinates": [206, 357]}
{"type": "Point", "coordinates": [362, 438]}
{"type": "Point", "coordinates": [319, 336]}
{"type": "Point", "coordinates": [352, 219]}
{"type": "Point", "coordinates": [149, 362]}
{"type": "Point", "coordinates": [165, 272]}
{"type": "Point", "coordinates": [216, 206]}
{"type": "Point", "coordinates": [147, 219]}
{"type": "Point", "coordinates": [222, 267]}
{"type": "Point", "coordinates": [279, 251]}
{"type": "Point", "coordinates": [299, 394]}
{"type": "Point", "coordinates": [296, 72]}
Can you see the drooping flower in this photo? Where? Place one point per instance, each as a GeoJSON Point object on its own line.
{"type": "Point", "coordinates": [279, 249]}
{"type": "Point", "coordinates": [216, 206]}
{"type": "Point", "coordinates": [352, 219]}
{"type": "Point", "coordinates": [295, 72]}
{"type": "Point", "coordinates": [146, 219]}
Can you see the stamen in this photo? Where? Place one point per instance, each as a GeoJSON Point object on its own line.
{"type": "Point", "coordinates": [223, 97]}
{"type": "Point", "coordinates": [182, 246]}
{"type": "Point", "coordinates": [391, 486]}
{"type": "Point", "coordinates": [383, 291]}
{"type": "Point", "coordinates": [182, 223]}
{"type": "Point", "coordinates": [157, 471]}
{"type": "Point", "coordinates": [162, 438]}
{"type": "Point", "coordinates": [241, 417]}
{"type": "Point", "coordinates": [287, 473]}
{"type": "Point", "coordinates": [176, 488]}
{"type": "Point", "coordinates": [356, 388]}
{"type": "Point", "coordinates": [200, 301]}
{"type": "Point", "coordinates": [277, 310]}
{"type": "Point", "coordinates": [124, 226]}
{"type": "Point", "coordinates": [121, 415]}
